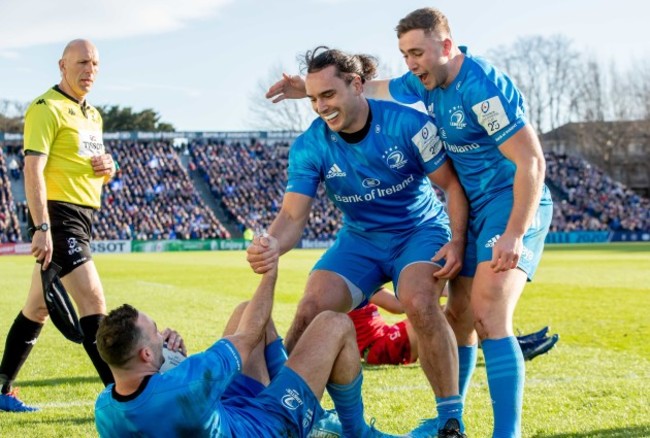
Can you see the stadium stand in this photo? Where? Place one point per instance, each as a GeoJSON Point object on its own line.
{"type": "Point", "coordinates": [152, 196]}
{"type": "Point", "coordinates": [249, 180]}
{"type": "Point", "coordinates": [9, 225]}
{"type": "Point", "coordinates": [591, 200]}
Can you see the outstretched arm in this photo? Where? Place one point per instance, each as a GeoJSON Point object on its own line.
{"type": "Point", "coordinates": [286, 228]}
{"type": "Point", "coordinates": [252, 325]}
{"type": "Point", "coordinates": [293, 87]}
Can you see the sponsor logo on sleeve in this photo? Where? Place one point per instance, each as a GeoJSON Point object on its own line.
{"type": "Point", "coordinates": [491, 115]}
{"type": "Point", "coordinates": [428, 142]}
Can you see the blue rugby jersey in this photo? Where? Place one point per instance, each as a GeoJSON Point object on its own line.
{"type": "Point", "coordinates": [475, 114]}
{"type": "Point", "coordinates": [184, 401]}
{"type": "Point", "coordinates": [380, 183]}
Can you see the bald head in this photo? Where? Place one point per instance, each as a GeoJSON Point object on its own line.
{"type": "Point", "coordinates": [79, 65]}
{"type": "Point", "coordinates": [78, 44]}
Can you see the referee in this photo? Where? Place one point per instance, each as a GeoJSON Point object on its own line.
{"type": "Point", "coordinates": [65, 168]}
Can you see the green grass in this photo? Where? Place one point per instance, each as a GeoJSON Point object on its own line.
{"type": "Point", "coordinates": [595, 383]}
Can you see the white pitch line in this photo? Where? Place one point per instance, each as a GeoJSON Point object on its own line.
{"type": "Point", "coordinates": [71, 404]}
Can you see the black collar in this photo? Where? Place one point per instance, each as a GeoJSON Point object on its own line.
{"type": "Point", "coordinates": [356, 137]}
{"type": "Point", "coordinates": [126, 398]}
{"type": "Point", "coordinates": [83, 105]}
{"type": "Point", "coordinates": [59, 90]}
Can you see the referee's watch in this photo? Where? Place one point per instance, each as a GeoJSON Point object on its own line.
{"type": "Point", "coordinates": [42, 227]}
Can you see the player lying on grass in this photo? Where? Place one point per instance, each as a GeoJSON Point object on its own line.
{"type": "Point", "coordinates": [223, 391]}
{"type": "Point", "coordinates": [393, 344]}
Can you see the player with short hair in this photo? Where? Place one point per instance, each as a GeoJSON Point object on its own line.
{"type": "Point", "coordinates": [225, 390]}
{"type": "Point", "coordinates": [377, 161]}
{"type": "Point", "coordinates": [65, 168]}
{"type": "Point", "coordinates": [479, 114]}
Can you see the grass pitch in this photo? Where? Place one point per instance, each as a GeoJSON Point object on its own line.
{"type": "Point", "coordinates": [595, 383]}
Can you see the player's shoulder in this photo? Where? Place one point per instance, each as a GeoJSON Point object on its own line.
{"type": "Point", "coordinates": [395, 119]}
{"type": "Point", "coordinates": [104, 397]}
{"type": "Point", "coordinates": [481, 74]}
{"type": "Point", "coordinates": [45, 102]}
{"type": "Point", "coordinates": [314, 136]}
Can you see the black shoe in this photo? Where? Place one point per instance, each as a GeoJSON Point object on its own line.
{"type": "Point", "coordinates": [532, 349]}
{"type": "Point", "coordinates": [451, 430]}
{"type": "Point", "coordinates": [536, 336]}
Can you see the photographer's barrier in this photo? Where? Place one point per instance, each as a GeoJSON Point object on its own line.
{"type": "Point", "coordinates": [127, 246]}
{"type": "Point", "coordinates": [189, 245]}
{"type": "Point", "coordinates": [110, 246]}
{"type": "Point", "coordinates": [598, 236]}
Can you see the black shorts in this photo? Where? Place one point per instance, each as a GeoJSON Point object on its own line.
{"type": "Point", "coordinates": [71, 227]}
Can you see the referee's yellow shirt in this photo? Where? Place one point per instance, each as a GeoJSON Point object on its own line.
{"type": "Point", "coordinates": [69, 134]}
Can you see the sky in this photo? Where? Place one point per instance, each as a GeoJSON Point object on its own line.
{"type": "Point", "coordinates": [199, 63]}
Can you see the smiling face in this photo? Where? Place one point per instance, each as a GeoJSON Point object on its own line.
{"type": "Point", "coordinates": [339, 103]}
{"type": "Point", "coordinates": [426, 55]}
{"type": "Point", "coordinates": [79, 66]}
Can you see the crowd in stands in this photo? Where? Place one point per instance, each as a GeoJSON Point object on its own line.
{"type": "Point", "coordinates": [591, 200]}
{"type": "Point", "coordinates": [152, 196]}
{"type": "Point", "coordinates": [250, 178]}
{"type": "Point", "coordinates": [9, 223]}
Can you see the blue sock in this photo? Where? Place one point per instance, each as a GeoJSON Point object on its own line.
{"type": "Point", "coordinates": [504, 363]}
{"type": "Point", "coordinates": [466, 365]}
{"type": "Point", "coordinates": [275, 356]}
{"type": "Point", "coordinates": [450, 407]}
{"type": "Point", "coordinates": [349, 406]}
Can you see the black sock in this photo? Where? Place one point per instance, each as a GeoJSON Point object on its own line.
{"type": "Point", "coordinates": [19, 343]}
{"type": "Point", "coordinates": [89, 325]}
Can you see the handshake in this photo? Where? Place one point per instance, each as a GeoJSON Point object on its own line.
{"type": "Point", "coordinates": [263, 253]}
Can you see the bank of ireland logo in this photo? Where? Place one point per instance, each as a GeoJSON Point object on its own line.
{"type": "Point", "coordinates": [485, 106]}
{"type": "Point", "coordinates": [369, 183]}
{"type": "Point", "coordinates": [395, 158]}
{"type": "Point", "coordinates": [458, 119]}
{"type": "Point", "coordinates": [291, 400]}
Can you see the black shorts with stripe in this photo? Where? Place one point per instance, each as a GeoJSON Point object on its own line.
{"type": "Point", "coordinates": [71, 227]}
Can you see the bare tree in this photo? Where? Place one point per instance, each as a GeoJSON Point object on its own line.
{"type": "Point", "coordinates": [638, 78]}
{"type": "Point", "coordinates": [12, 115]}
{"type": "Point", "coordinates": [288, 115]}
{"type": "Point", "coordinates": [545, 69]}
{"type": "Point", "coordinates": [589, 102]}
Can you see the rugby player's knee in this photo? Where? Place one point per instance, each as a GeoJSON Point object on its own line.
{"type": "Point", "coordinates": [419, 303]}
{"type": "Point", "coordinates": [334, 322]}
{"type": "Point", "coordinates": [485, 323]}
